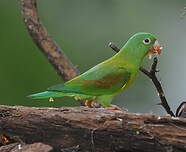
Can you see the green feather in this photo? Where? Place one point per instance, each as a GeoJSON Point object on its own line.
{"type": "Point", "coordinates": [46, 94]}
{"type": "Point", "coordinates": [105, 81]}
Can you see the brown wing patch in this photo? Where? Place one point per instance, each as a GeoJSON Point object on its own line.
{"type": "Point", "coordinates": [106, 82]}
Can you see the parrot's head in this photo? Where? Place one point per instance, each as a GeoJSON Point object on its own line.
{"type": "Point", "coordinates": [144, 44]}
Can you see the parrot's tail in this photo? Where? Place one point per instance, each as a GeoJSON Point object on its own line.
{"type": "Point", "coordinates": [55, 94]}
{"type": "Point", "coordinates": [47, 94]}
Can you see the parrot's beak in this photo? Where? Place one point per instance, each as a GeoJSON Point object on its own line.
{"type": "Point", "coordinates": [156, 49]}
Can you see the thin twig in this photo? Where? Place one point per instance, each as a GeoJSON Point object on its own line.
{"type": "Point", "coordinates": [152, 75]}
{"type": "Point", "coordinates": [181, 110]}
{"type": "Point", "coordinates": [45, 43]}
{"type": "Point", "coordinates": [114, 47]}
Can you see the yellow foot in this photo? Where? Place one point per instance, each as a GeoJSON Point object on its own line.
{"type": "Point", "coordinates": [92, 104]}
{"type": "Point", "coordinates": [88, 103]}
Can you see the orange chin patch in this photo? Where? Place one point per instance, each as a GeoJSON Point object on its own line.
{"type": "Point", "coordinates": [155, 49]}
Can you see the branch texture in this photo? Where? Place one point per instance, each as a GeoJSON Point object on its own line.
{"type": "Point", "coordinates": [22, 147]}
{"type": "Point", "coordinates": [45, 43]}
{"type": "Point", "coordinates": [86, 129]}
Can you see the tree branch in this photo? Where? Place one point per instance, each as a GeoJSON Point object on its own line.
{"type": "Point", "coordinates": [98, 129]}
{"type": "Point", "coordinates": [152, 75]}
{"type": "Point", "coordinates": [45, 43]}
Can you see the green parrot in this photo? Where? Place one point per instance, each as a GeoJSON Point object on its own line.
{"type": "Point", "coordinates": [109, 78]}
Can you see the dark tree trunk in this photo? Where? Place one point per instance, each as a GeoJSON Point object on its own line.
{"type": "Point", "coordinates": [85, 129]}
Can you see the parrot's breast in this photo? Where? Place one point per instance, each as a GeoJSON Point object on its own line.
{"type": "Point", "coordinates": [129, 82]}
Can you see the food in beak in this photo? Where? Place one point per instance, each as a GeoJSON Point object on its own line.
{"type": "Point", "coordinates": [156, 49]}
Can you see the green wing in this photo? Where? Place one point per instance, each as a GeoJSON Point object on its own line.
{"type": "Point", "coordinates": [100, 80]}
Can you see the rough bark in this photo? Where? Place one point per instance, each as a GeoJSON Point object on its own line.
{"type": "Point", "coordinates": [97, 130]}
{"type": "Point", "coordinates": [22, 147]}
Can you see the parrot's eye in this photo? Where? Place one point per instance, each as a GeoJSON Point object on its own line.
{"type": "Point", "coordinates": [146, 41]}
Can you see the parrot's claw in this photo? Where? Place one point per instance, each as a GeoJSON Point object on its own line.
{"type": "Point", "coordinates": [88, 103]}
{"type": "Point", "coordinates": [115, 108]}
{"type": "Point", "coordinates": [91, 104]}
{"type": "Point", "coordinates": [96, 105]}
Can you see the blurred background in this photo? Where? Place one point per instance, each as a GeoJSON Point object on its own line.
{"type": "Point", "coordinates": [83, 28]}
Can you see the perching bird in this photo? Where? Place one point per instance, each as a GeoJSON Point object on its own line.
{"type": "Point", "coordinates": [109, 78]}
